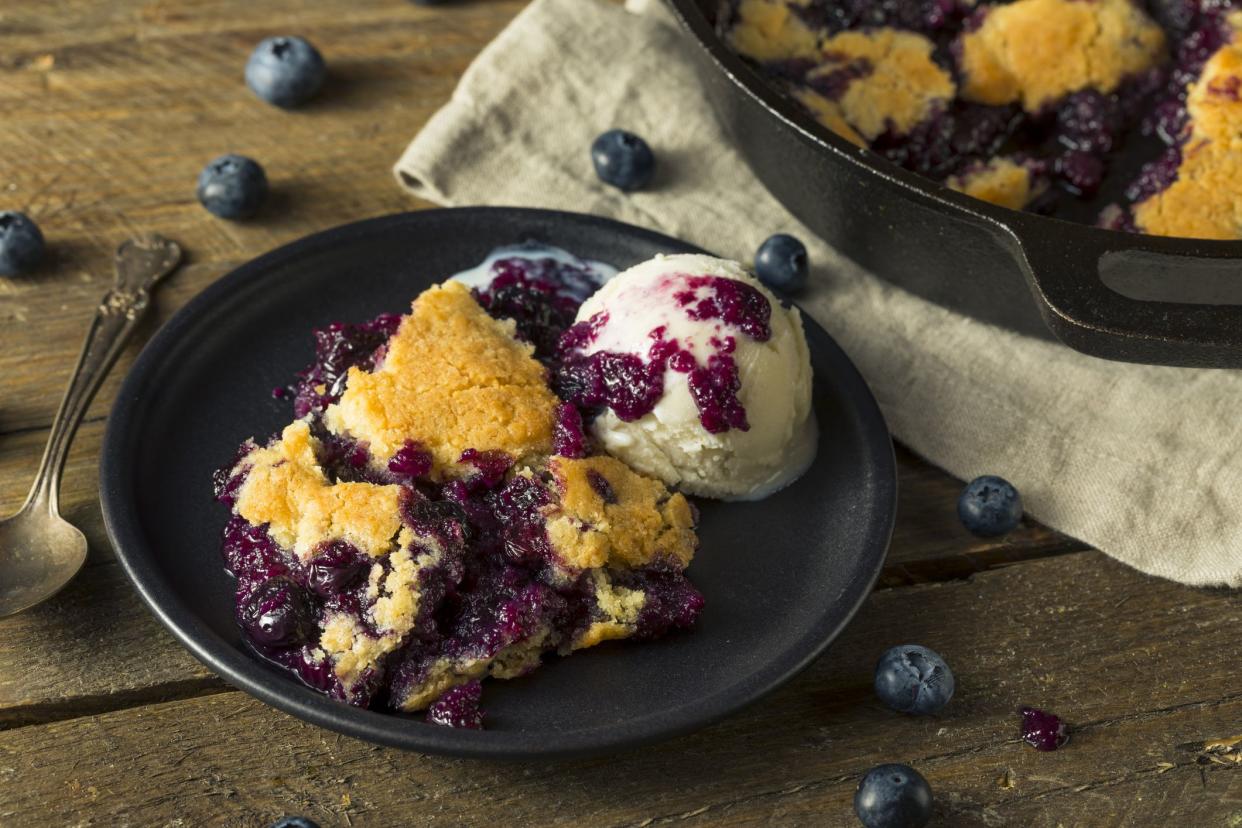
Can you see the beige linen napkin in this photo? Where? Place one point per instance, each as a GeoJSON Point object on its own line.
{"type": "Point", "coordinates": [1139, 461]}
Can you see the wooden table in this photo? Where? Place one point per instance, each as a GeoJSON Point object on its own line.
{"type": "Point", "coordinates": [108, 109]}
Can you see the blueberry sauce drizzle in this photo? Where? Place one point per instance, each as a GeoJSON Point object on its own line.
{"type": "Point", "coordinates": [495, 583]}
{"type": "Point", "coordinates": [632, 386]}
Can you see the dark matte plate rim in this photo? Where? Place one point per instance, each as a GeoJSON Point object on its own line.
{"type": "Point", "coordinates": [123, 526]}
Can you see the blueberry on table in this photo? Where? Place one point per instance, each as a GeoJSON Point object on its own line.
{"type": "Point", "coordinates": [781, 263]}
{"type": "Point", "coordinates": [294, 822]}
{"type": "Point", "coordinates": [21, 244]}
{"type": "Point", "coordinates": [1042, 730]}
{"type": "Point", "coordinates": [232, 187]}
{"type": "Point", "coordinates": [285, 71]}
{"type": "Point", "coordinates": [989, 506]}
{"type": "Point", "coordinates": [893, 796]}
{"type": "Point", "coordinates": [623, 160]}
{"type": "Point", "coordinates": [913, 679]}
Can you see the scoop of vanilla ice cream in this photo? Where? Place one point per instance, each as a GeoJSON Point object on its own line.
{"type": "Point", "coordinates": [680, 300]}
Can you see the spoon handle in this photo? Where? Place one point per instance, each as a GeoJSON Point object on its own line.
{"type": "Point", "coordinates": [140, 263]}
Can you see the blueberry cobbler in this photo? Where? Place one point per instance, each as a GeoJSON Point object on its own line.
{"type": "Point", "coordinates": [1026, 103]}
{"type": "Point", "coordinates": [436, 514]}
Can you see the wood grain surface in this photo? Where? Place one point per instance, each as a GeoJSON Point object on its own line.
{"type": "Point", "coordinates": [108, 109]}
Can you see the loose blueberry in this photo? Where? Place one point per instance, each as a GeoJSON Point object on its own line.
{"type": "Point", "coordinates": [21, 244]}
{"type": "Point", "coordinates": [623, 160]}
{"type": "Point", "coordinates": [294, 822]}
{"type": "Point", "coordinates": [232, 187]}
{"type": "Point", "coordinates": [913, 679]}
{"type": "Point", "coordinates": [336, 567]}
{"type": "Point", "coordinates": [276, 613]}
{"type": "Point", "coordinates": [781, 263]}
{"type": "Point", "coordinates": [893, 796]}
{"type": "Point", "coordinates": [989, 506]}
{"type": "Point", "coordinates": [1042, 730]}
{"type": "Point", "coordinates": [285, 71]}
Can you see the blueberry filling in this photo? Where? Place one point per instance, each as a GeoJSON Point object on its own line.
{"type": "Point", "coordinates": [276, 613]}
{"type": "Point", "coordinates": [335, 568]}
{"type": "Point", "coordinates": [569, 437]}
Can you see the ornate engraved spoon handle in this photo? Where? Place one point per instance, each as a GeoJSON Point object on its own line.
{"type": "Point", "coordinates": [140, 263]}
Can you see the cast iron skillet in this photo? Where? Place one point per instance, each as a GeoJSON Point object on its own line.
{"type": "Point", "coordinates": [1122, 296]}
{"type": "Point", "coordinates": [781, 576]}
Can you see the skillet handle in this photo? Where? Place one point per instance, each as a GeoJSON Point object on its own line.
{"type": "Point", "coordinates": [1135, 298]}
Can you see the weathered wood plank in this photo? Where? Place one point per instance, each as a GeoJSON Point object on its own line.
{"type": "Point", "coordinates": [113, 122]}
{"type": "Point", "coordinates": [1080, 634]}
{"type": "Point", "coordinates": [93, 647]}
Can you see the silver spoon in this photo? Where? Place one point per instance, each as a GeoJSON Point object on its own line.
{"type": "Point", "coordinates": [40, 552]}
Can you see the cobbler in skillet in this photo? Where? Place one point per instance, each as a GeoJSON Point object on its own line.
{"type": "Point", "coordinates": [1027, 103]}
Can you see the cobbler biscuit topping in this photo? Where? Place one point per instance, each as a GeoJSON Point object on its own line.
{"type": "Point", "coordinates": [610, 515]}
{"type": "Point", "coordinates": [1000, 181]}
{"type": "Point", "coordinates": [452, 378]}
{"type": "Point", "coordinates": [881, 80]}
{"type": "Point", "coordinates": [1202, 201]}
{"type": "Point", "coordinates": [1038, 51]}
{"type": "Point", "coordinates": [286, 488]}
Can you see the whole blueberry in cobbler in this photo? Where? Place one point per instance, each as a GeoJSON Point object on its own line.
{"type": "Point", "coordinates": [285, 71]}
{"type": "Point", "coordinates": [893, 796]}
{"type": "Point", "coordinates": [232, 187]}
{"type": "Point", "coordinates": [989, 506]}
{"type": "Point", "coordinates": [21, 244]}
{"type": "Point", "coordinates": [913, 679]}
{"type": "Point", "coordinates": [277, 613]}
{"type": "Point", "coordinates": [623, 160]}
{"type": "Point", "coordinates": [437, 515]}
{"type": "Point", "coordinates": [781, 263]}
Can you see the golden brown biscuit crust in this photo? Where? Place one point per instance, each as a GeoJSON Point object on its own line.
{"type": "Point", "coordinates": [452, 379]}
{"type": "Point", "coordinates": [768, 30]}
{"type": "Point", "coordinates": [1202, 202]}
{"type": "Point", "coordinates": [643, 524]}
{"type": "Point", "coordinates": [1036, 51]}
{"type": "Point", "coordinates": [1001, 181]}
{"type": "Point", "coordinates": [899, 86]}
{"type": "Point", "coordinates": [286, 489]}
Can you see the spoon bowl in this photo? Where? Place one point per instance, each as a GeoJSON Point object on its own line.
{"type": "Point", "coordinates": [39, 553]}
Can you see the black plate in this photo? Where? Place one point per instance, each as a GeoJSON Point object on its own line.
{"type": "Point", "coordinates": [781, 577]}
